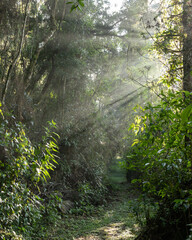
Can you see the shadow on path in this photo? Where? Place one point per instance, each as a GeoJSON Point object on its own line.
{"type": "Point", "coordinates": [115, 221]}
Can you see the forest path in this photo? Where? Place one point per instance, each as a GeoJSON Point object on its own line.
{"type": "Point", "coordinates": [114, 221]}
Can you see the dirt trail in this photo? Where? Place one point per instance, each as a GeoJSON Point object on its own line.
{"type": "Point", "coordinates": [114, 221]}
{"type": "Point", "coordinates": [121, 224]}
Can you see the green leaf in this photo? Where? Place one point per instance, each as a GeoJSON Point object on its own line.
{"type": "Point", "coordinates": [74, 7]}
{"type": "Point", "coordinates": [187, 93]}
{"type": "Point", "coordinates": [81, 3]}
{"type": "Point", "coordinates": [135, 142]}
{"type": "Point", "coordinates": [186, 113]}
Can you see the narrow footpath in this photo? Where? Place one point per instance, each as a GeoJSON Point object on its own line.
{"type": "Point", "coordinates": [114, 221]}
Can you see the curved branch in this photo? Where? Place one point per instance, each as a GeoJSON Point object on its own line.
{"type": "Point", "coordinates": [15, 60]}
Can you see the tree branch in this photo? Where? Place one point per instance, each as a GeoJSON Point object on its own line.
{"type": "Point", "coordinates": [15, 60]}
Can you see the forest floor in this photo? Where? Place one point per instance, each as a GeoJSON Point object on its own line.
{"type": "Point", "coordinates": [118, 219]}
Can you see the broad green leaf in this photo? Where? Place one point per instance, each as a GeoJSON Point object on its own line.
{"type": "Point", "coordinates": [74, 7]}
{"type": "Point", "coordinates": [186, 113]}
{"type": "Point", "coordinates": [81, 3]}
{"type": "Point", "coordinates": [135, 142]}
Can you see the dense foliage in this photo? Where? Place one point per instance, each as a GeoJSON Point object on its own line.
{"type": "Point", "coordinates": [23, 166]}
{"type": "Point", "coordinates": [74, 67]}
{"type": "Point", "coordinates": [161, 151]}
{"type": "Point", "coordinates": [163, 154]}
{"type": "Point", "coordinates": [84, 69]}
{"type": "Point", "coordinates": [70, 66]}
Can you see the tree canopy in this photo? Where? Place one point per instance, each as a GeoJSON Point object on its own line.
{"type": "Point", "coordinates": [91, 74]}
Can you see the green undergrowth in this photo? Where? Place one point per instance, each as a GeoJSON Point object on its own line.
{"type": "Point", "coordinates": [119, 218]}
{"type": "Point", "coordinates": [118, 210]}
{"type": "Point", "coordinates": [116, 173]}
{"type": "Point", "coordinates": [24, 167]}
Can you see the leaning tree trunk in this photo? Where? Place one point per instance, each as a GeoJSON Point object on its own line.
{"type": "Point", "coordinates": [187, 45]}
{"type": "Point", "coordinates": [187, 65]}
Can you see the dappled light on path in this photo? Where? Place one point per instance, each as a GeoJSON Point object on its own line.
{"type": "Point", "coordinates": [117, 231]}
{"type": "Point", "coordinates": [118, 222]}
{"type": "Point", "coordinates": [114, 231]}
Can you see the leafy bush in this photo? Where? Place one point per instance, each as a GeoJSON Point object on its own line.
{"type": "Point", "coordinates": [162, 153]}
{"type": "Point", "coordinates": [22, 166]}
{"type": "Point", "coordinates": [89, 198]}
{"type": "Point", "coordinates": [162, 149]}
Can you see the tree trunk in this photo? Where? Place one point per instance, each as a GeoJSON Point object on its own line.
{"type": "Point", "coordinates": [187, 45]}
{"type": "Point", "coordinates": [16, 59]}
{"type": "Point", "coordinates": [187, 63]}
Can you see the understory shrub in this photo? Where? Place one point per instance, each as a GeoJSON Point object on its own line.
{"type": "Point", "coordinates": [162, 153]}
{"type": "Point", "coordinates": [23, 165]}
{"type": "Point", "coordinates": [89, 198]}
